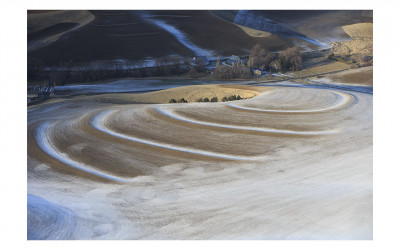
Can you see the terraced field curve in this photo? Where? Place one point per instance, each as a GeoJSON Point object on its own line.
{"type": "Point", "coordinates": [277, 155]}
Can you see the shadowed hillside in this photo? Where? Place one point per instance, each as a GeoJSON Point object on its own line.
{"type": "Point", "coordinates": [129, 35]}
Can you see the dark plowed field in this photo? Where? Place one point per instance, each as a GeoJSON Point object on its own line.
{"type": "Point", "coordinates": [123, 34]}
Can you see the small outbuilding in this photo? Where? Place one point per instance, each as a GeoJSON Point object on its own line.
{"type": "Point", "coordinates": [257, 72]}
{"type": "Point", "coordinates": [235, 59]}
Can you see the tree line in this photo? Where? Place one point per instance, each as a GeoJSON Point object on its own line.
{"type": "Point", "coordinates": [72, 72]}
{"type": "Point", "coordinates": [260, 58]}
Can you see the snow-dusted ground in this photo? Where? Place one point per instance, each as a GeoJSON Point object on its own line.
{"type": "Point", "coordinates": [179, 35]}
{"type": "Point", "coordinates": [184, 181]}
{"type": "Point", "coordinates": [132, 85]}
{"type": "Point", "coordinates": [118, 86]}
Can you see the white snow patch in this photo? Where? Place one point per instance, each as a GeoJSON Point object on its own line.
{"type": "Point", "coordinates": [44, 142]}
{"type": "Point", "coordinates": [259, 129]}
{"type": "Point", "coordinates": [99, 121]}
{"type": "Point", "coordinates": [179, 35]}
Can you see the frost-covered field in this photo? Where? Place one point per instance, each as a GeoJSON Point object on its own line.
{"type": "Point", "coordinates": [291, 163]}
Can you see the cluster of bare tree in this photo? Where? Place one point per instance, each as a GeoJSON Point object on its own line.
{"type": "Point", "coordinates": [356, 60]}
{"type": "Point", "coordinates": [169, 65]}
{"type": "Point", "coordinates": [260, 58]}
{"type": "Point", "coordinates": [238, 70]}
{"type": "Point", "coordinates": [289, 59]}
{"type": "Point", "coordinates": [196, 71]}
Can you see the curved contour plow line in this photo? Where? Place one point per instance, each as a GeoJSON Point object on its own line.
{"type": "Point", "coordinates": [99, 120]}
{"type": "Point", "coordinates": [344, 100]}
{"type": "Point", "coordinates": [45, 144]}
{"type": "Point", "coordinates": [258, 129]}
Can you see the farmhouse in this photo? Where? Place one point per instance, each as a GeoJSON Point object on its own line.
{"type": "Point", "coordinates": [235, 59]}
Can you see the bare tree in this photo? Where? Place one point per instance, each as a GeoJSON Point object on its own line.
{"type": "Point", "coordinates": [296, 63]}
{"type": "Point", "coordinates": [217, 63]}
{"type": "Point", "coordinates": [238, 70]}
{"type": "Point", "coordinates": [260, 57]}
{"type": "Point", "coordinates": [289, 59]}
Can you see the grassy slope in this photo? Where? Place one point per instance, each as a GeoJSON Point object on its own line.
{"type": "Point", "coordinates": [361, 42]}
{"type": "Point", "coordinates": [323, 25]}
{"type": "Point", "coordinates": [362, 76]}
{"type": "Point", "coordinates": [189, 93]}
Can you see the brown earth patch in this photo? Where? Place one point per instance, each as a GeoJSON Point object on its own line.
{"type": "Point", "coordinates": [254, 32]}
{"type": "Point", "coordinates": [189, 93]}
{"type": "Point", "coordinates": [362, 76]}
